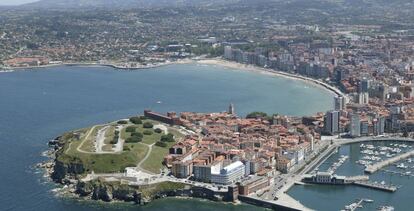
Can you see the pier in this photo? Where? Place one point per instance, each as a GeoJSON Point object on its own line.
{"type": "Point", "coordinates": [338, 164]}
{"type": "Point", "coordinates": [378, 186]}
{"type": "Point", "coordinates": [375, 167]}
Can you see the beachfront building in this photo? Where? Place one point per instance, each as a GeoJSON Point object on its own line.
{"type": "Point", "coordinates": [229, 174]}
{"type": "Point", "coordinates": [331, 122]}
{"type": "Point", "coordinates": [339, 103]}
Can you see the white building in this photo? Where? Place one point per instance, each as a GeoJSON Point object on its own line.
{"type": "Point", "coordinates": [228, 54]}
{"type": "Point", "coordinates": [228, 174]}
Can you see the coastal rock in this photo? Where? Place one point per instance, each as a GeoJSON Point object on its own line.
{"type": "Point", "coordinates": [102, 193]}
{"type": "Point", "coordinates": [61, 170]}
{"type": "Point", "coordinates": [108, 191]}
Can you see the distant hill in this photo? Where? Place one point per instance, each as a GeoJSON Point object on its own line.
{"type": "Point", "coordinates": [347, 6]}
{"type": "Point", "coordinates": [67, 4]}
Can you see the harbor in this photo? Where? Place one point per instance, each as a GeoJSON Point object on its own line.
{"type": "Point", "coordinates": [394, 180]}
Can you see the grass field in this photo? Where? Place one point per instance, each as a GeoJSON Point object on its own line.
{"type": "Point", "coordinates": [88, 144]}
{"type": "Point", "coordinates": [154, 161]}
{"type": "Point", "coordinates": [147, 139]}
{"type": "Point", "coordinates": [107, 163]}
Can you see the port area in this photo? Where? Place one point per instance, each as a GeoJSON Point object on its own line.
{"type": "Point", "coordinates": [327, 178]}
{"type": "Point", "coordinates": [377, 166]}
{"type": "Point", "coordinates": [357, 204]}
{"type": "Point", "coordinates": [376, 185]}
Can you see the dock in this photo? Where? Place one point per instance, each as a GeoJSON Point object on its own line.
{"type": "Point", "coordinates": [377, 166]}
{"type": "Point", "coordinates": [378, 186]}
{"type": "Point", "coordinates": [357, 178]}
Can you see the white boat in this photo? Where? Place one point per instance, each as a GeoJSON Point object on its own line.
{"type": "Point", "coordinates": [159, 102]}
{"type": "Point", "coordinates": [386, 208]}
{"type": "Point", "coordinates": [402, 166]}
{"type": "Point", "coordinates": [369, 200]}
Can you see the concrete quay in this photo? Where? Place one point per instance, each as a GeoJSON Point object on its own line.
{"type": "Point", "coordinates": [377, 166]}
{"type": "Point", "coordinates": [378, 186]}
{"type": "Point", "coordinates": [284, 203]}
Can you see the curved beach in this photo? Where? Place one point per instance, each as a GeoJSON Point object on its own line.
{"type": "Point", "coordinates": [235, 65]}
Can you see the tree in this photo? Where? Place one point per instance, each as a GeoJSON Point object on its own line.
{"type": "Point", "coordinates": [405, 134]}
{"type": "Point", "coordinates": [147, 132]}
{"type": "Point", "coordinates": [148, 125]}
{"type": "Point", "coordinates": [130, 129]}
{"type": "Point", "coordinates": [137, 134]}
{"type": "Point", "coordinates": [136, 120]}
{"type": "Point", "coordinates": [157, 130]}
{"type": "Point", "coordinates": [256, 114]}
{"type": "Point", "coordinates": [161, 144]}
{"type": "Point", "coordinates": [122, 122]}
{"type": "Point", "coordinates": [133, 139]}
{"type": "Point", "coordinates": [167, 138]}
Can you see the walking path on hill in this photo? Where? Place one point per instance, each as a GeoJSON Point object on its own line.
{"type": "Point", "coordinates": [145, 158]}
{"type": "Point", "coordinates": [100, 139]}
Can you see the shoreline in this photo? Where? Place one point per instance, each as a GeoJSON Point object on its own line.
{"type": "Point", "coordinates": [213, 61]}
{"type": "Point", "coordinates": [96, 64]}
{"type": "Point", "coordinates": [268, 71]}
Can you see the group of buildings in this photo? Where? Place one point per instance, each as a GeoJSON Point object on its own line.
{"type": "Point", "coordinates": [376, 73]}
{"type": "Point", "coordinates": [227, 150]}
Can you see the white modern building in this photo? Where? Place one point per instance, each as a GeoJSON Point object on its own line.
{"type": "Point", "coordinates": [229, 174]}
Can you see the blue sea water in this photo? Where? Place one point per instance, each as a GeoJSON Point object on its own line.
{"type": "Point", "coordinates": [39, 104]}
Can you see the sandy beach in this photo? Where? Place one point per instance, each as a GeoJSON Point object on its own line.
{"type": "Point", "coordinates": [256, 69]}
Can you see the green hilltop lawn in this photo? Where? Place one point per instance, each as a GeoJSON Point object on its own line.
{"type": "Point", "coordinates": [79, 146]}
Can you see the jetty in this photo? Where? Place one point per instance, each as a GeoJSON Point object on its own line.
{"type": "Point", "coordinates": [377, 166]}
{"type": "Point", "coordinates": [378, 186]}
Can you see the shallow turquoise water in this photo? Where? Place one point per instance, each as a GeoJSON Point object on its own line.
{"type": "Point", "coordinates": [38, 105]}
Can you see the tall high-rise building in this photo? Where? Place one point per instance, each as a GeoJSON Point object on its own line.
{"type": "Point", "coordinates": [363, 98]}
{"type": "Point", "coordinates": [331, 122]}
{"type": "Point", "coordinates": [364, 128]}
{"type": "Point", "coordinates": [228, 54]}
{"type": "Point", "coordinates": [355, 126]}
{"type": "Point", "coordinates": [339, 103]}
{"type": "Point", "coordinates": [379, 126]}
{"type": "Point", "coordinates": [364, 85]}
{"type": "Point", "coordinates": [231, 109]}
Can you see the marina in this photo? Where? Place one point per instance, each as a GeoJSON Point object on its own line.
{"type": "Point", "coordinates": [377, 166]}
{"type": "Point", "coordinates": [338, 164]}
{"type": "Point", "coordinates": [393, 180]}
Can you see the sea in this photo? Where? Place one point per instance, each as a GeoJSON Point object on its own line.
{"type": "Point", "coordinates": [36, 105]}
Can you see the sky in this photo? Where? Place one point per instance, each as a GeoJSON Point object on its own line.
{"type": "Point", "coordinates": [15, 2]}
